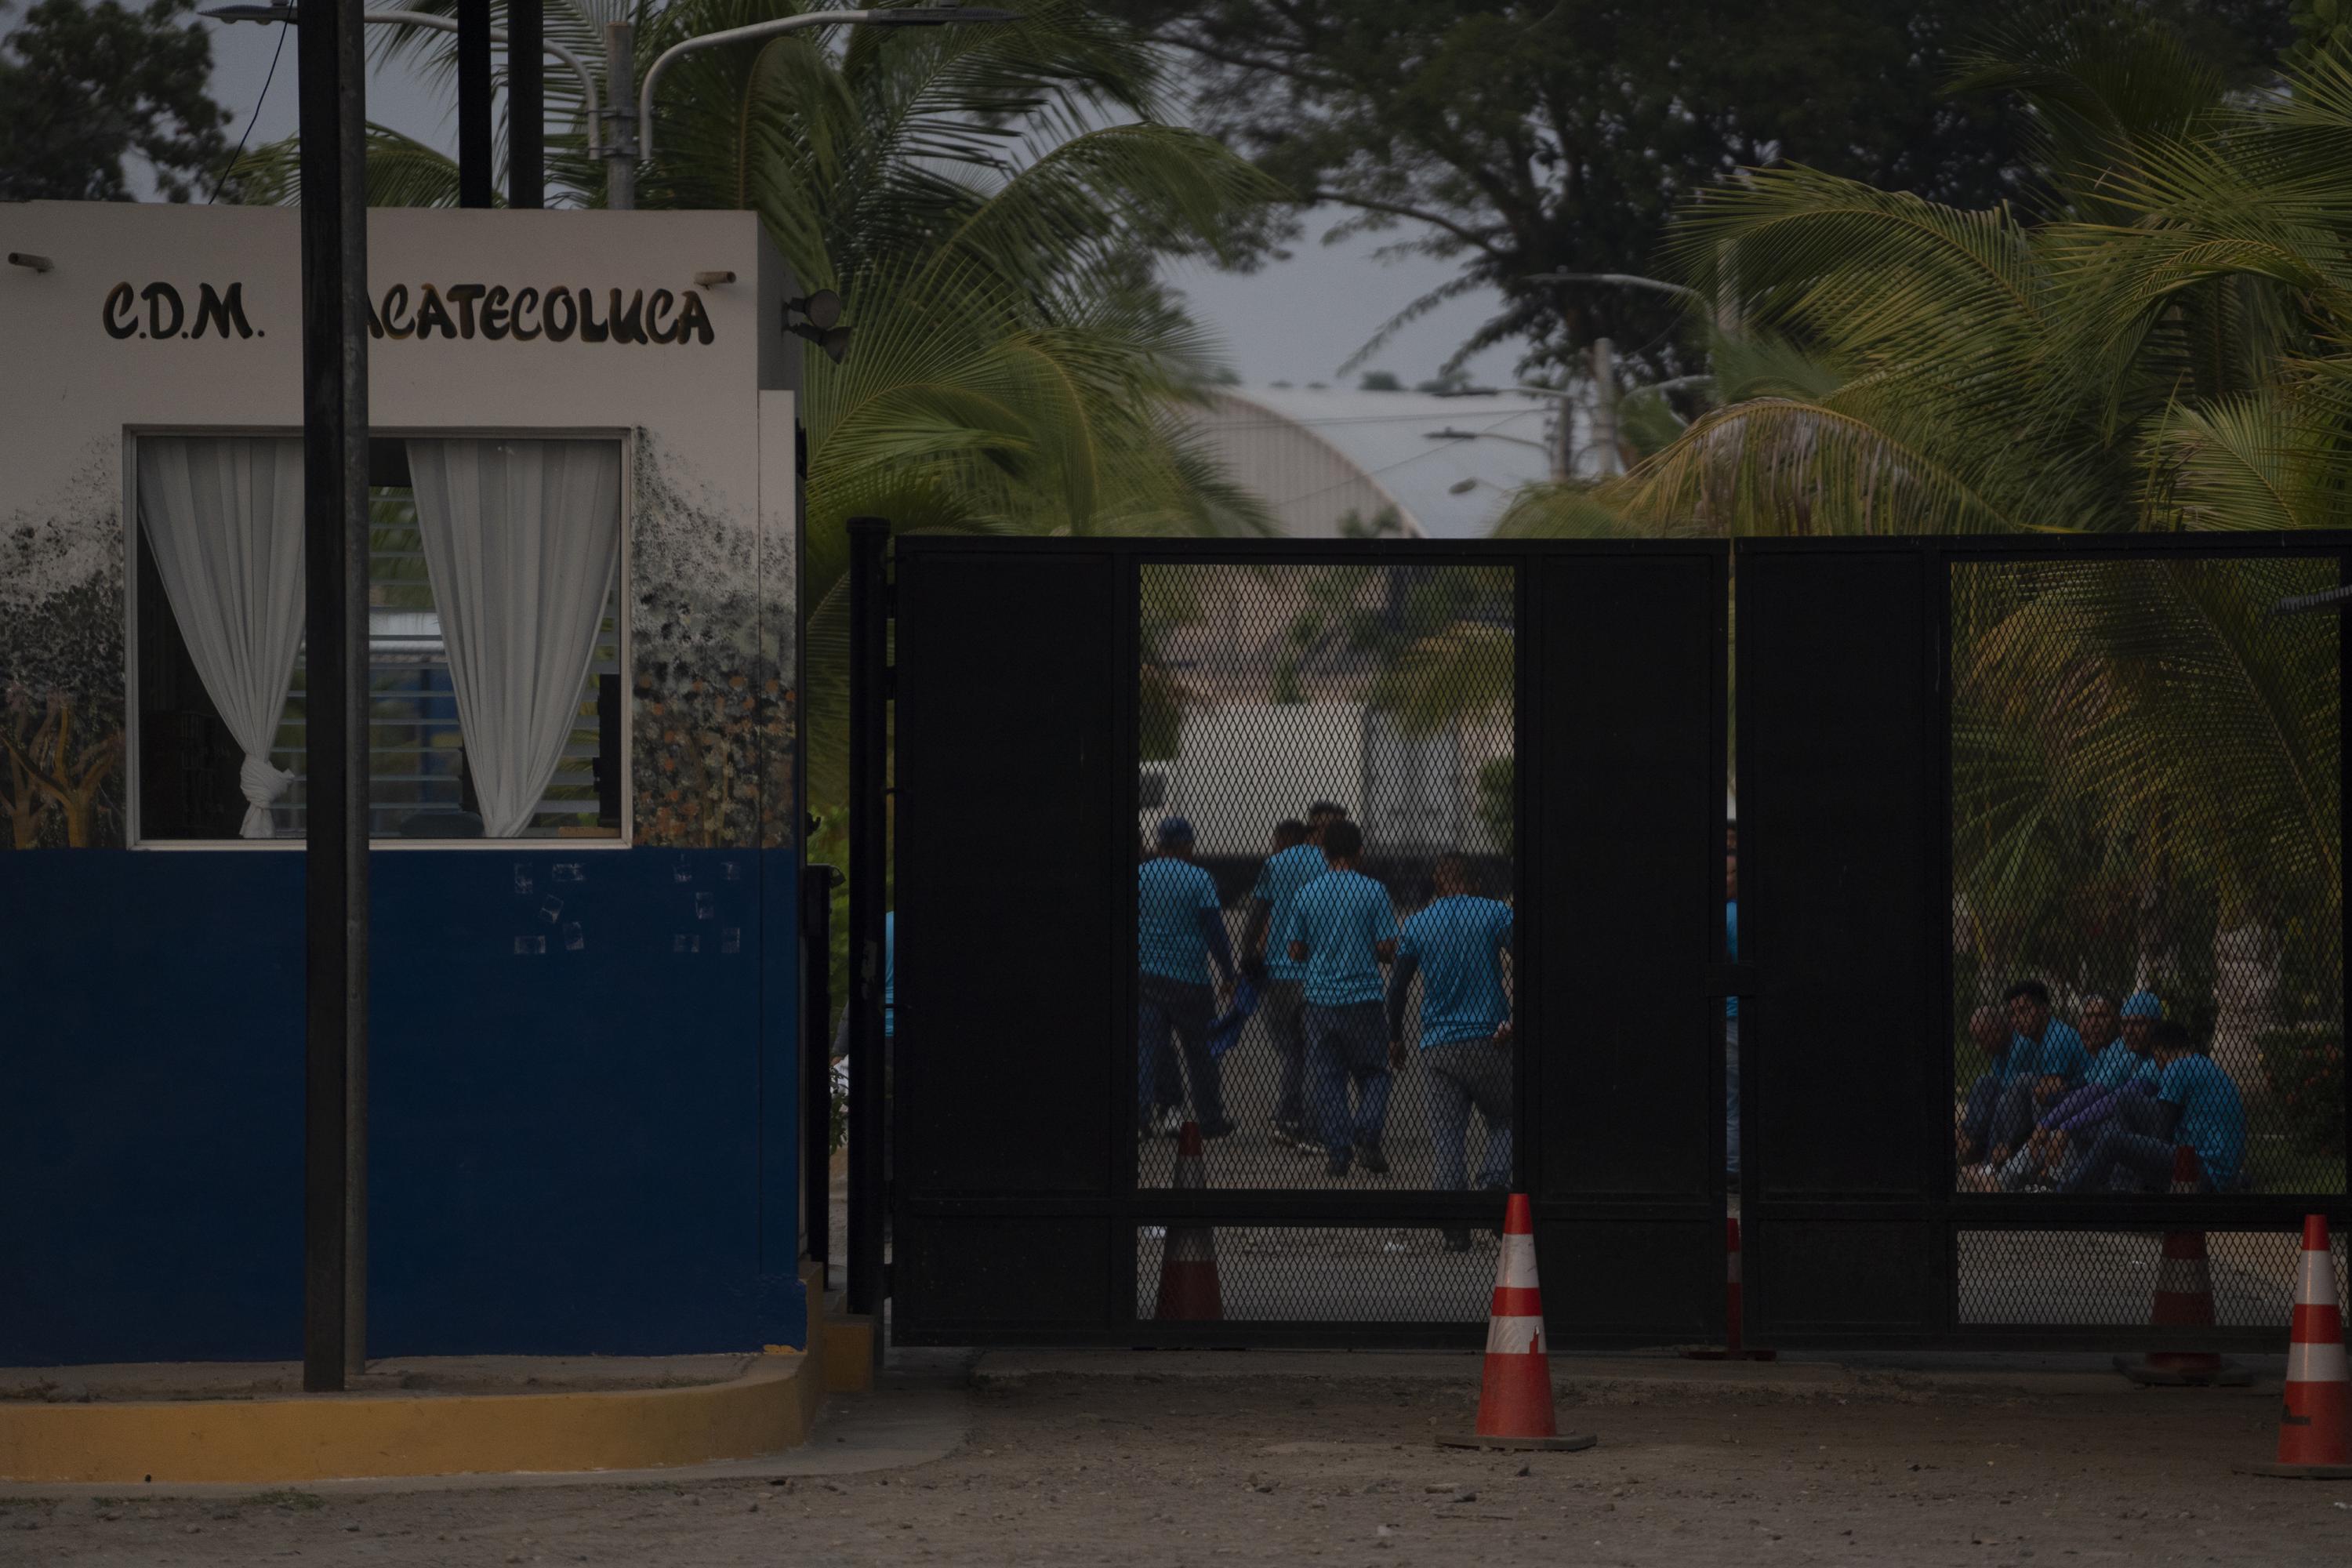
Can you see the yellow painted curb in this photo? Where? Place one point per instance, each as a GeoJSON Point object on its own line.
{"type": "Point", "coordinates": [310, 1437]}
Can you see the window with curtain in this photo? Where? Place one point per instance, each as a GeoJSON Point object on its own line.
{"type": "Point", "coordinates": [496, 688]}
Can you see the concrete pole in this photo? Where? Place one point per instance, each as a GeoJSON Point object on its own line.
{"type": "Point", "coordinates": [621, 96]}
{"type": "Point", "coordinates": [1604, 406]}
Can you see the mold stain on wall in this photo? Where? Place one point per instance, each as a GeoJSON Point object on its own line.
{"type": "Point", "coordinates": [715, 708]}
{"type": "Point", "coordinates": [61, 663]}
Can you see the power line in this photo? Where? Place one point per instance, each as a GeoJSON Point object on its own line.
{"type": "Point", "coordinates": [283, 28]}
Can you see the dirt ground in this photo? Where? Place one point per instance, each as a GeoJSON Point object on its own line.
{"type": "Point", "coordinates": [1178, 1470]}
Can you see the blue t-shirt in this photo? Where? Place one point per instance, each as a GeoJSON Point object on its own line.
{"type": "Point", "coordinates": [2059, 1053]}
{"type": "Point", "coordinates": [1339, 916]}
{"type": "Point", "coordinates": [1278, 881]}
{"type": "Point", "coordinates": [1731, 948]}
{"type": "Point", "coordinates": [2212, 1118]}
{"type": "Point", "coordinates": [1459, 944]}
{"type": "Point", "coordinates": [2117, 1067]}
{"type": "Point", "coordinates": [1170, 896]}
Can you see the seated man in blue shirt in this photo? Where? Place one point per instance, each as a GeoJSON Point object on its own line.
{"type": "Point", "coordinates": [1342, 928]}
{"type": "Point", "coordinates": [2198, 1105]}
{"type": "Point", "coordinates": [1989, 1032]}
{"type": "Point", "coordinates": [2045, 1060]}
{"type": "Point", "coordinates": [1180, 932]}
{"type": "Point", "coordinates": [1457, 944]}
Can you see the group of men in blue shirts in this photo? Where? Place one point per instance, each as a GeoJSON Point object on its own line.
{"type": "Point", "coordinates": [2097, 1109]}
{"type": "Point", "coordinates": [1318, 936]}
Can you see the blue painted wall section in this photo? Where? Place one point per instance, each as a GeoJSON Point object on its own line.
{"type": "Point", "coordinates": [583, 1098]}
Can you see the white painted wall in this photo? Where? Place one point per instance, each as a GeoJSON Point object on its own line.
{"type": "Point", "coordinates": [712, 515]}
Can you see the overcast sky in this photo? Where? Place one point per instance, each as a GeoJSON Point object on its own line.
{"type": "Point", "coordinates": [1294, 320]}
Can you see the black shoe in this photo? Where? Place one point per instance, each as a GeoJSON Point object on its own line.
{"type": "Point", "coordinates": [1457, 1241]}
{"type": "Point", "coordinates": [1218, 1129]}
{"type": "Point", "coordinates": [1374, 1162]}
{"type": "Point", "coordinates": [1337, 1166]}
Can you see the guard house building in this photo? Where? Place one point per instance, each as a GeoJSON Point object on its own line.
{"type": "Point", "coordinates": [586, 794]}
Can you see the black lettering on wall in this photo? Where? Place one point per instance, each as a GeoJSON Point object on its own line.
{"type": "Point", "coordinates": [628, 326]}
{"type": "Point", "coordinates": [219, 311]}
{"type": "Point", "coordinates": [561, 330]}
{"type": "Point", "coordinates": [120, 323]}
{"type": "Point", "coordinates": [592, 330]}
{"type": "Point", "coordinates": [659, 306]}
{"type": "Point", "coordinates": [157, 296]}
{"type": "Point", "coordinates": [693, 317]}
{"type": "Point", "coordinates": [494, 315]}
{"type": "Point", "coordinates": [396, 312]}
{"type": "Point", "coordinates": [463, 296]}
{"type": "Point", "coordinates": [526, 301]}
{"type": "Point", "coordinates": [431, 312]}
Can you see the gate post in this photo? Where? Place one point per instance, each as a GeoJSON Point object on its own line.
{"type": "Point", "coordinates": [816, 1060]}
{"type": "Point", "coordinates": [869, 859]}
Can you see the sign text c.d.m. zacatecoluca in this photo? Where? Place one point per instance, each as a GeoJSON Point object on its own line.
{"type": "Point", "coordinates": [461, 310]}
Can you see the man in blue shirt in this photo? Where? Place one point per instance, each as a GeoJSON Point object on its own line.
{"type": "Point", "coordinates": [1296, 860]}
{"type": "Point", "coordinates": [2199, 1106]}
{"type": "Point", "coordinates": [1180, 932]}
{"type": "Point", "coordinates": [1341, 928]}
{"type": "Point", "coordinates": [2046, 1059]}
{"type": "Point", "coordinates": [1456, 944]}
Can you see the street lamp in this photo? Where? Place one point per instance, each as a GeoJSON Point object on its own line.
{"type": "Point", "coordinates": [895, 17]}
{"type": "Point", "coordinates": [289, 14]}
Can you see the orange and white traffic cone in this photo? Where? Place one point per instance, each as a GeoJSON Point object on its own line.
{"type": "Point", "coordinates": [2316, 1428]}
{"type": "Point", "coordinates": [2184, 1300]}
{"type": "Point", "coordinates": [1734, 1347]}
{"type": "Point", "coordinates": [1188, 1261]}
{"type": "Point", "coordinates": [1515, 1394]}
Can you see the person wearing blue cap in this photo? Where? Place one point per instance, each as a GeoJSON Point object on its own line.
{"type": "Point", "coordinates": [1180, 932]}
{"type": "Point", "coordinates": [2119, 1081]}
{"type": "Point", "coordinates": [1341, 928]}
{"type": "Point", "coordinates": [1456, 944]}
{"type": "Point", "coordinates": [2198, 1104]}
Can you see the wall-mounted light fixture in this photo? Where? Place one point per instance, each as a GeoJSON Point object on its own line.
{"type": "Point", "coordinates": [819, 323]}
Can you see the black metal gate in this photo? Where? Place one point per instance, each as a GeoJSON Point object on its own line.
{"type": "Point", "coordinates": [1909, 713]}
{"type": "Point", "coordinates": [1970, 765]}
{"type": "Point", "coordinates": [1034, 682]}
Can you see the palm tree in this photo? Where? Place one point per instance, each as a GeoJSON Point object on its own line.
{"type": "Point", "coordinates": [988, 202]}
{"type": "Point", "coordinates": [2155, 336]}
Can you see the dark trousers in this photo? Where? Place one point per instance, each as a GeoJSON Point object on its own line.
{"type": "Point", "coordinates": [1282, 1005]}
{"type": "Point", "coordinates": [2147, 1160]}
{"type": "Point", "coordinates": [1165, 1006]}
{"type": "Point", "coordinates": [1349, 1044]}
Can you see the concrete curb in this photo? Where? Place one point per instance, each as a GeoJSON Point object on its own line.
{"type": "Point", "coordinates": [310, 1437]}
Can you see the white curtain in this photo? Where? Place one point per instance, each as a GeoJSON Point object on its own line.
{"type": "Point", "coordinates": [521, 541]}
{"type": "Point", "coordinates": [224, 518]}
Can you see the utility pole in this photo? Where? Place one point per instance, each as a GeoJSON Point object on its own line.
{"type": "Point", "coordinates": [474, 185]}
{"type": "Point", "coordinates": [621, 96]}
{"type": "Point", "coordinates": [1604, 406]}
{"type": "Point", "coordinates": [333, 73]}
{"type": "Point", "coordinates": [526, 104]}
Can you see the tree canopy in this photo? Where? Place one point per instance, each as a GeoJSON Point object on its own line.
{"type": "Point", "coordinates": [1526, 138]}
{"type": "Point", "coordinates": [84, 87]}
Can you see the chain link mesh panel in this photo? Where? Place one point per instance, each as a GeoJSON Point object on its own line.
{"type": "Point", "coordinates": [2044, 1278]}
{"type": "Point", "coordinates": [1314, 1274]}
{"type": "Point", "coordinates": [1276, 701]}
{"type": "Point", "coordinates": [2146, 922]}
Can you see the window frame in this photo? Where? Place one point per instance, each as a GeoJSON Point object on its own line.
{"type": "Point", "coordinates": [133, 761]}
